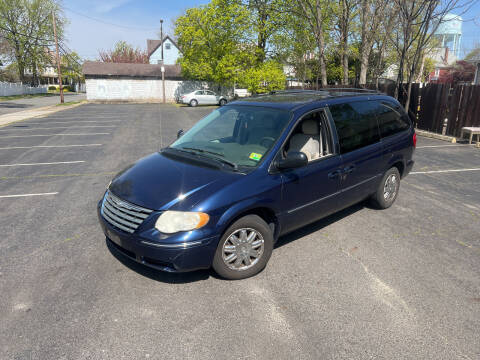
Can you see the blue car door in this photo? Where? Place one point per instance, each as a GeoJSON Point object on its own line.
{"type": "Point", "coordinates": [360, 147]}
{"type": "Point", "coordinates": [311, 192]}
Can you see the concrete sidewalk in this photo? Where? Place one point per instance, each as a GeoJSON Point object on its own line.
{"type": "Point", "coordinates": [37, 112]}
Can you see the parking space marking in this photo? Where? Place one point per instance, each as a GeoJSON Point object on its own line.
{"type": "Point", "coordinates": [47, 146]}
{"type": "Point", "coordinates": [443, 171]}
{"type": "Point", "coordinates": [17, 136]}
{"type": "Point", "coordinates": [58, 175]}
{"type": "Point", "coordinates": [60, 127]}
{"type": "Point", "coordinates": [26, 195]}
{"type": "Point", "coordinates": [439, 146]}
{"type": "Point", "coordinates": [46, 163]}
{"type": "Point", "coordinates": [70, 122]}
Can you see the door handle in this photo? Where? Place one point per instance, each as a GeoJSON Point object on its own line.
{"type": "Point", "coordinates": [349, 169]}
{"type": "Point", "coordinates": [334, 174]}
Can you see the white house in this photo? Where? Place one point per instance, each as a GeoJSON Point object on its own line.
{"type": "Point", "coordinates": [171, 51]}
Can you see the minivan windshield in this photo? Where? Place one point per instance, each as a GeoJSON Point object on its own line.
{"type": "Point", "coordinates": [236, 135]}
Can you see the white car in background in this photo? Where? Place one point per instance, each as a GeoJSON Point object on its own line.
{"type": "Point", "coordinates": [203, 97]}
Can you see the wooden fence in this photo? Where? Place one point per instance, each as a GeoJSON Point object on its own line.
{"type": "Point", "coordinates": [459, 105]}
{"type": "Point", "coordinates": [432, 104]}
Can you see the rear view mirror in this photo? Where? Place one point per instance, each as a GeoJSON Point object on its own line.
{"type": "Point", "coordinates": [294, 159]}
{"type": "Point", "coordinates": [180, 133]}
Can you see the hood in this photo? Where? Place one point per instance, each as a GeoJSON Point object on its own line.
{"type": "Point", "coordinates": [161, 182]}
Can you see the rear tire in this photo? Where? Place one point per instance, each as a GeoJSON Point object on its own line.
{"type": "Point", "coordinates": [244, 249]}
{"type": "Point", "coordinates": [193, 103]}
{"type": "Point", "coordinates": [222, 102]}
{"type": "Point", "coordinates": [388, 189]}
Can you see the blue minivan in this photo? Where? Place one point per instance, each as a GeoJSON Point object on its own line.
{"type": "Point", "coordinates": [251, 171]}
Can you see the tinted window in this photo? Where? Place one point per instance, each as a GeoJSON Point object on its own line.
{"type": "Point", "coordinates": [356, 124]}
{"type": "Point", "coordinates": [391, 118]}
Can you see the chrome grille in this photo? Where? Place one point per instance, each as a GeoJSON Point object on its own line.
{"type": "Point", "coordinates": [123, 214]}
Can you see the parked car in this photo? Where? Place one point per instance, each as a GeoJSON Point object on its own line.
{"type": "Point", "coordinates": [203, 97]}
{"type": "Point", "coordinates": [249, 172]}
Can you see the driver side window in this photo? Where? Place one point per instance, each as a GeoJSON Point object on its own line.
{"type": "Point", "coordinates": [312, 136]}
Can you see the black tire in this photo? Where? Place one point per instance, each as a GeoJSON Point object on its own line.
{"type": "Point", "coordinates": [193, 103]}
{"type": "Point", "coordinates": [387, 194]}
{"type": "Point", "coordinates": [249, 222]}
{"type": "Point", "coordinates": [222, 102]}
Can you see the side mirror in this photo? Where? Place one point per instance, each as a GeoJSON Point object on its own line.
{"type": "Point", "coordinates": [294, 159]}
{"type": "Point", "coordinates": [180, 133]}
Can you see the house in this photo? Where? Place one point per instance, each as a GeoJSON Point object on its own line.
{"type": "Point", "coordinates": [475, 61]}
{"type": "Point", "coordinates": [171, 51]}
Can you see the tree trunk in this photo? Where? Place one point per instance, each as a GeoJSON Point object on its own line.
{"type": "Point", "coordinates": [364, 65]}
{"type": "Point", "coordinates": [422, 66]}
{"type": "Point", "coordinates": [344, 25]}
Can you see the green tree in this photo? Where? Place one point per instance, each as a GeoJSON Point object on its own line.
{"type": "Point", "coordinates": [71, 66]}
{"type": "Point", "coordinates": [265, 78]}
{"type": "Point", "coordinates": [216, 41]}
{"type": "Point", "coordinates": [474, 53]}
{"type": "Point", "coordinates": [26, 26]}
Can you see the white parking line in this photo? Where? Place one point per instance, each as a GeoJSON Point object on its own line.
{"type": "Point", "coordinates": [443, 171]}
{"type": "Point", "coordinates": [61, 127]}
{"type": "Point", "coordinates": [17, 136]}
{"type": "Point", "coordinates": [24, 195]}
{"type": "Point", "coordinates": [70, 122]}
{"type": "Point", "coordinates": [47, 146]}
{"type": "Point", "coordinates": [438, 146]}
{"type": "Point", "coordinates": [47, 163]}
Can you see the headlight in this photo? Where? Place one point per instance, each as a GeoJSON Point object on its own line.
{"type": "Point", "coordinates": [174, 221]}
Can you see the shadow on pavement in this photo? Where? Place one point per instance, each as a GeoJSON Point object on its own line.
{"type": "Point", "coordinates": [318, 225]}
{"type": "Point", "coordinates": [12, 105]}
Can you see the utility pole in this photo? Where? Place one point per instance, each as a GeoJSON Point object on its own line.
{"type": "Point", "coordinates": [58, 58]}
{"type": "Point", "coordinates": [163, 65]}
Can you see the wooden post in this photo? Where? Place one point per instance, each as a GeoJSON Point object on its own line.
{"type": "Point", "coordinates": [58, 58]}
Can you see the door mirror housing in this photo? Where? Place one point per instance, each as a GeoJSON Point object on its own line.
{"type": "Point", "coordinates": [294, 159]}
{"type": "Point", "coordinates": [180, 133]}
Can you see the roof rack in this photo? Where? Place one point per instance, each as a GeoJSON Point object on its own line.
{"type": "Point", "coordinates": [353, 90]}
{"type": "Point", "coordinates": [323, 91]}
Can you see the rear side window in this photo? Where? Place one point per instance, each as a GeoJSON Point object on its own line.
{"type": "Point", "coordinates": [391, 118]}
{"type": "Point", "coordinates": [356, 124]}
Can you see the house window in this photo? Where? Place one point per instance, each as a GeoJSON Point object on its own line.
{"type": "Point", "coordinates": [167, 46]}
{"type": "Point", "coordinates": [437, 72]}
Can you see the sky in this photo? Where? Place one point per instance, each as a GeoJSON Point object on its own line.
{"type": "Point", "coordinates": [98, 24]}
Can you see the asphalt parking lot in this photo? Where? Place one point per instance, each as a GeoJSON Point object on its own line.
{"type": "Point", "coordinates": [402, 283]}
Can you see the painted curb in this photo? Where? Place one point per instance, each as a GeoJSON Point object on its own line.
{"type": "Point", "coordinates": [428, 134]}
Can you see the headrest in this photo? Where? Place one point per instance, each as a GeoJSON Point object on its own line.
{"type": "Point", "coordinates": [310, 127]}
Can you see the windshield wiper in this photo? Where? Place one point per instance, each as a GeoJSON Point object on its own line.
{"type": "Point", "coordinates": [221, 159]}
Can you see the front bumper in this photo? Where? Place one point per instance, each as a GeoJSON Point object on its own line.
{"type": "Point", "coordinates": [180, 257]}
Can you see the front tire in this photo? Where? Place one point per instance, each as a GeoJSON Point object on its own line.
{"type": "Point", "coordinates": [193, 103]}
{"type": "Point", "coordinates": [388, 189]}
{"type": "Point", "coordinates": [244, 249]}
{"type": "Point", "coordinates": [222, 102]}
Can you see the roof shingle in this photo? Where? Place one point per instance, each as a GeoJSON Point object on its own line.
{"type": "Point", "coordinates": [105, 69]}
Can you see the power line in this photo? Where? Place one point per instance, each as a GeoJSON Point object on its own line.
{"type": "Point", "coordinates": [109, 23]}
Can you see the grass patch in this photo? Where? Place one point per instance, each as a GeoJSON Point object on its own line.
{"type": "Point", "coordinates": [70, 103]}
{"type": "Point", "coordinates": [27, 96]}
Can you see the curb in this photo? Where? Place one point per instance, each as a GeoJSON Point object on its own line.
{"type": "Point", "coordinates": [428, 134]}
{"type": "Point", "coordinates": [8, 119]}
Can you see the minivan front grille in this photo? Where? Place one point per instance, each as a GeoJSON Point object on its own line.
{"type": "Point", "coordinates": [123, 214]}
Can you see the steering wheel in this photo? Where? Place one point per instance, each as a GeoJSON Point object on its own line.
{"type": "Point", "coordinates": [270, 140]}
